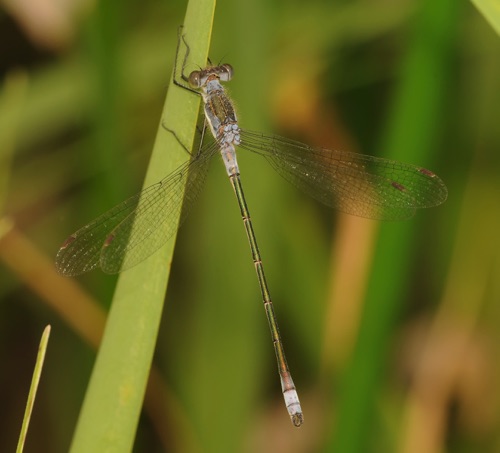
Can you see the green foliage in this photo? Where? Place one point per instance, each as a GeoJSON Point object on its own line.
{"type": "Point", "coordinates": [491, 12]}
{"type": "Point", "coordinates": [113, 401]}
{"type": "Point", "coordinates": [386, 327]}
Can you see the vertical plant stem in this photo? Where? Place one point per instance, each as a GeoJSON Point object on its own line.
{"type": "Point", "coordinates": [411, 137]}
{"type": "Point", "coordinates": [112, 405]}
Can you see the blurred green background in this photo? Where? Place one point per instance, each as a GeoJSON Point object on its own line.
{"type": "Point", "coordinates": [391, 331]}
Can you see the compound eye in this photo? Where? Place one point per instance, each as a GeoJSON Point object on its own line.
{"type": "Point", "coordinates": [226, 72]}
{"type": "Point", "coordinates": [195, 79]}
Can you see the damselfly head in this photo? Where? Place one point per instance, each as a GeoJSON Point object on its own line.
{"type": "Point", "coordinates": [224, 73]}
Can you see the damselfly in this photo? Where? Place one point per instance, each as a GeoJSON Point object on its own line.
{"type": "Point", "coordinates": [357, 184]}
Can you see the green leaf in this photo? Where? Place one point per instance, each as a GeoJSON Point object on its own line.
{"type": "Point", "coordinates": [412, 136]}
{"type": "Point", "coordinates": [490, 9]}
{"type": "Point", "coordinates": [112, 405]}
{"type": "Point", "coordinates": [37, 372]}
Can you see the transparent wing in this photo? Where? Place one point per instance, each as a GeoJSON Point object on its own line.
{"type": "Point", "coordinates": [133, 230]}
{"type": "Point", "coordinates": [357, 184]}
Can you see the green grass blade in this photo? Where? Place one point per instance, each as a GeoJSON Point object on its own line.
{"type": "Point", "coordinates": [490, 9]}
{"type": "Point", "coordinates": [113, 401]}
{"type": "Point", "coordinates": [412, 137]}
{"type": "Point", "coordinates": [33, 388]}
